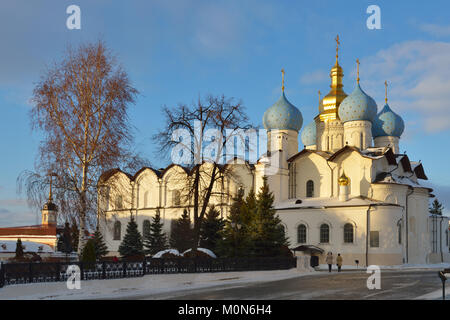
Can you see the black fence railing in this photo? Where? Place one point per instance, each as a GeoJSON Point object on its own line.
{"type": "Point", "coordinates": [18, 273]}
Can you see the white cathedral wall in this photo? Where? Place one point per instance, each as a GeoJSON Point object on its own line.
{"type": "Point", "coordinates": [313, 167]}
{"type": "Point", "coordinates": [357, 169]}
{"type": "Point", "coordinates": [358, 134]}
{"type": "Point", "coordinates": [381, 219]}
{"type": "Point", "coordinates": [159, 193]}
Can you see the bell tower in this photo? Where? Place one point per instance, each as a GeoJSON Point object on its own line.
{"type": "Point", "coordinates": [49, 210]}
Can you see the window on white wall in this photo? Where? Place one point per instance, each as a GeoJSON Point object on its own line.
{"type": "Point", "coordinates": [146, 199]}
{"type": "Point", "coordinates": [399, 232]}
{"type": "Point", "coordinates": [176, 201]}
{"type": "Point", "coordinates": [292, 193]}
{"type": "Point", "coordinates": [324, 233]}
{"type": "Point", "coordinates": [348, 233]}
{"type": "Point", "coordinates": [117, 230]}
{"type": "Point", "coordinates": [374, 239]}
{"type": "Point", "coordinates": [119, 202]}
{"type": "Point", "coordinates": [310, 189]}
{"type": "Point", "coordinates": [301, 234]}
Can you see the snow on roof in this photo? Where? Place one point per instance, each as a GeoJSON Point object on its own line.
{"type": "Point", "coordinates": [28, 246]}
{"type": "Point", "coordinates": [316, 203]}
{"type": "Point", "coordinates": [163, 252]}
{"type": "Point", "coordinates": [386, 177]}
{"type": "Point", "coordinates": [204, 250]}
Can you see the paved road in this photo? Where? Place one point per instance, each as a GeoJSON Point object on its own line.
{"type": "Point", "coordinates": [345, 285]}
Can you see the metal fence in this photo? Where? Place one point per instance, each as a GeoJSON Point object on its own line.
{"type": "Point", "coordinates": [18, 273]}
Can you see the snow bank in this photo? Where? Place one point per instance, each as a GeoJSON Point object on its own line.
{"type": "Point", "coordinates": [163, 252]}
{"type": "Point", "coordinates": [206, 251]}
{"type": "Point", "coordinates": [156, 286]}
{"type": "Point", "coordinates": [28, 246]}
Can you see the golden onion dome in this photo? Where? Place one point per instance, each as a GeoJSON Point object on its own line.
{"type": "Point", "coordinates": [344, 180]}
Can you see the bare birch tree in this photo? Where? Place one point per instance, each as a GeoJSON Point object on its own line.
{"type": "Point", "coordinates": [227, 119]}
{"type": "Point", "coordinates": [81, 106]}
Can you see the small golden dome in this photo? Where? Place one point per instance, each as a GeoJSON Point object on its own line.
{"type": "Point", "coordinates": [343, 180]}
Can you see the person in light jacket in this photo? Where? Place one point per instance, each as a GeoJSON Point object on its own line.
{"type": "Point", "coordinates": [339, 262]}
{"type": "Point", "coordinates": [329, 260]}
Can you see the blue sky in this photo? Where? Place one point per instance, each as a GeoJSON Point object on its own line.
{"type": "Point", "coordinates": [175, 51]}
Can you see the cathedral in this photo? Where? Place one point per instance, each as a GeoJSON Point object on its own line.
{"type": "Point", "coordinates": [348, 190]}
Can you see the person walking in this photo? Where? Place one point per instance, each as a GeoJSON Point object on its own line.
{"type": "Point", "coordinates": [339, 262]}
{"type": "Point", "coordinates": [329, 260]}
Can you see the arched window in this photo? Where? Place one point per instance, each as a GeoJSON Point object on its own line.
{"type": "Point", "coordinates": [146, 227]}
{"type": "Point", "coordinates": [117, 230]}
{"type": "Point", "coordinates": [301, 234]}
{"type": "Point", "coordinates": [348, 233]}
{"type": "Point", "coordinates": [119, 202]}
{"type": "Point", "coordinates": [176, 197]}
{"type": "Point", "coordinates": [399, 232]}
{"type": "Point", "coordinates": [145, 199]}
{"type": "Point", "coordinates": [310, 189]}
{"type": "Point", "coordinates": [324, 233]}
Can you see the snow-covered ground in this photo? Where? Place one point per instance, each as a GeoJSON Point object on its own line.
{"type": "Point", "coordinates": [437, 266]}
{"type": "Point", "coordinates": [171, 283]}
{"type": "Point", "coordinates": [148, 285]}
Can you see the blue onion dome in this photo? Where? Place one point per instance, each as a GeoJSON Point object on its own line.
{"type": "Point", "coordinates": [387, 123]}
{"type": "Point", "coordinates": [357, 106]}
{"type": "Point", "coordinates": [308, 135]}
{"type": "Point", "coordinates": [283, 115]}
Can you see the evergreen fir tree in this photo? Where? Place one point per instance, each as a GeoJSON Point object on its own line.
{"type": "Point", "coordinates": [181, 235]}
{"type": "Point", "coordinates": [66, 239]}
{"type": "Point", "coordinates": [210, 229]}
{"type": "Point", "coordinates": [19, 249]}
{"type": "Point", "coordinates": [267, 231]}
{"type": "Point", "coordinates": [234, 241]}
{"type": "Point", "coordinates": [88, 254]}
{"type": "Point", "coordinates": [155, 239]}
{"type": "Point", "coordinates": [249, 208]}
{"type": "Point", "coordinates": [436, 207]}
{"type": "Point", "coordinates": [132, 242]}
{"type": "Point", "coordinates": [101, 249]}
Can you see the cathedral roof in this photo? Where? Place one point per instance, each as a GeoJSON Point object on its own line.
{"type": "Point", "coordinates": [327, 202]}
{"type": "Point", "coordinates": [387, 123]}
{"type": "Point", "coordinates": [308, 135]}
{"type": "Point", "coordinates": [283, 115]}
{"type": "Point", "coordinates": [358, 106]}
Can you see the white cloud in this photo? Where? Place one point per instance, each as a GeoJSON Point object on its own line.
{"type": "Point", "coordinates": [417, 72]}
{"type": "Point", "coordinates": [435, 30]}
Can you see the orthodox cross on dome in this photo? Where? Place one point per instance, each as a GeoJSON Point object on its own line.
{"type": "Point", "coordinates": [50, 194]}
{"type": "Point", "coordinates": [282, 79]}
{"type": "Point", "coordinates": [385, 91]}
{"type": "Point", "coordinates": [357, 70]}
{"type": "Point", "coordinates": [337, 47]}
{"type": "Point", "coordinates": [319, 95]}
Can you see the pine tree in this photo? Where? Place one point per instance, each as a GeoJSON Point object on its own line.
{"type": "Point", "coordinates": [132, 242]}
{"type": "Point", "coordinates": [267, 231]}
{"type": "Point", "coordinates": [101, 249]}
{"type": "Point", "coordinates": [19, 249]}
{"type": "Point", "coordinates": [181, 235]}
{"type": "Point", "coordinates": [210, 229]}
{"type": "Point", "coordinates": [235, 241]}
{"type": "Point", "coordinates": [155, 239]}
{"type": "Point", "coordinates": [436, 207]}
{"type": "Point", "coordinates": [88, 254]}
